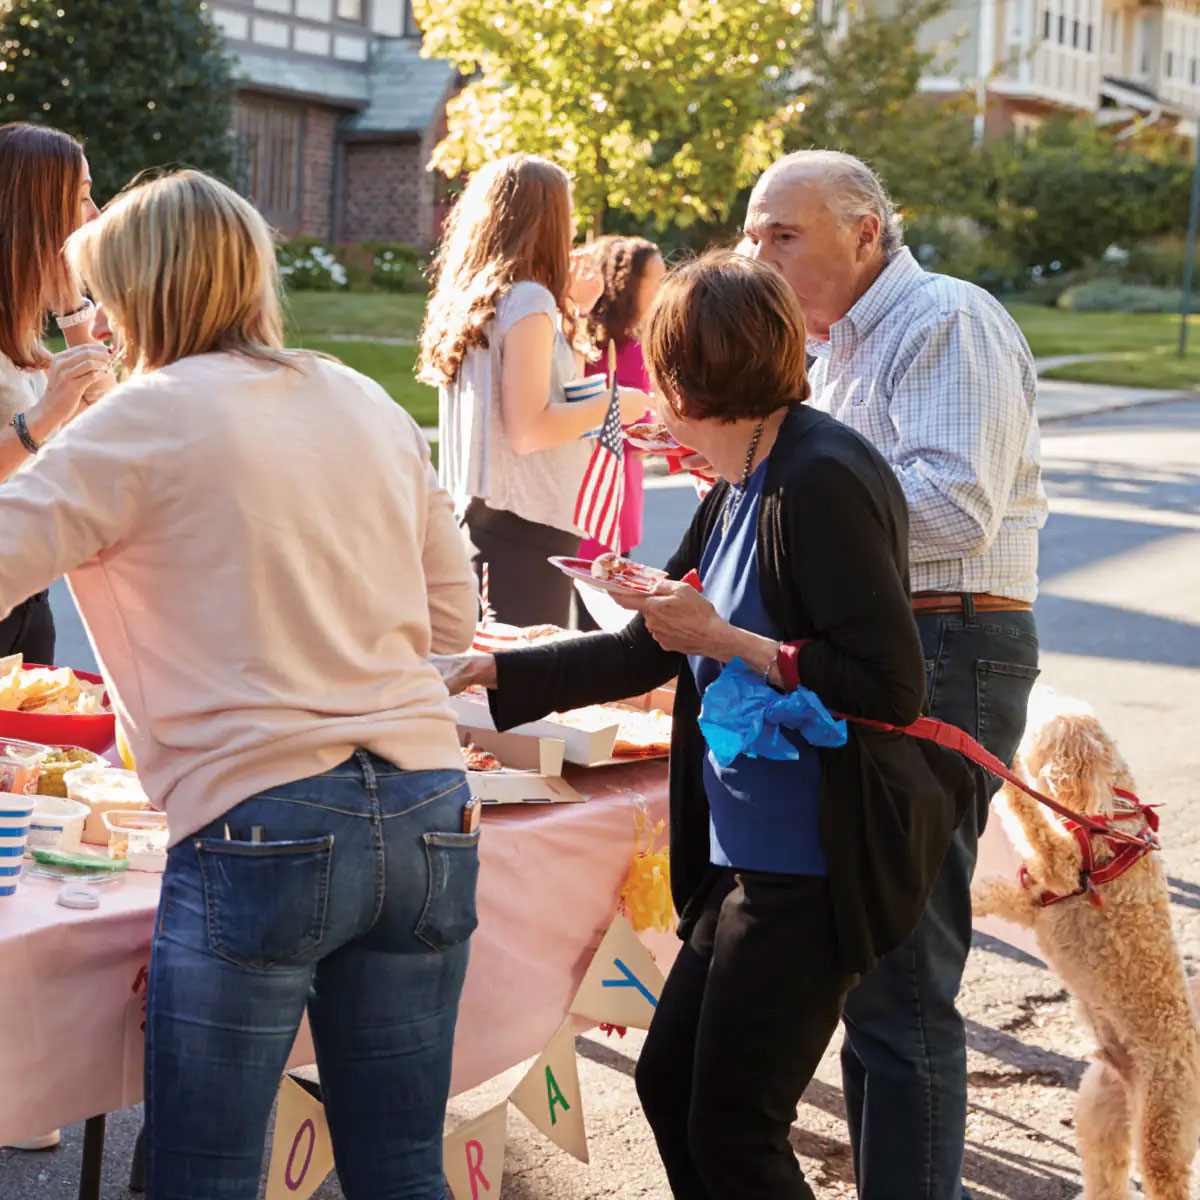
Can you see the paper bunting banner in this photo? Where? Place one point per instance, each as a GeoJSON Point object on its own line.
{"type": "Point", "coordinates": [623, 984]}
{"type": "Point", "coordinates": [474, 1156]}
{"type": "Point", "coordinates": [301, 1154]}
{"type": "Point", "coordinates": [549, 1094]}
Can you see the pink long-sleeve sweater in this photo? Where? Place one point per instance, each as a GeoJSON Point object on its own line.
{"type": "Point", "coordinates": [264, 562]}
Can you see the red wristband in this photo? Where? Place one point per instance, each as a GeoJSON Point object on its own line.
{"type": "Point", "coordinates": [789, 663]}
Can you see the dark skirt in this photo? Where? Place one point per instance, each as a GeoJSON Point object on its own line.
{"type": "Point", "coordinates": [29, 630]}
{"type": "Point", "coordinates": [523, 588]}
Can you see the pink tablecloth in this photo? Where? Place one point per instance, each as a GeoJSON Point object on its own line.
{"type": "Point", "coordinates": [72, 984]}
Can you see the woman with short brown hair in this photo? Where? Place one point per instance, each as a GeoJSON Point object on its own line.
{"type": "Point", "coordinates": [791, 876]}
{"type": "Point", "coordinates": [45, 195]}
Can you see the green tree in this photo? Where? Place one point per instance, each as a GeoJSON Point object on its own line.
{"type": "Point", "coordinates": [1063, 197]}
{"type": "Point", "coordinates": [662, 111]}
{"type": "Point", "coordinates": [145, 83]}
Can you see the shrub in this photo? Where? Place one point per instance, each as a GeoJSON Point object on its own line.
{"type": "Point", "coordinates": [1111, 295]}
{"type": "Point", "coordinates": [396, 266]}
{"type": "Point", "coordinates": [958, 246]}
{"type": "Point", "coordinates": [308, 265]}
{"type": "Point", "coordinates": [1158, 261]}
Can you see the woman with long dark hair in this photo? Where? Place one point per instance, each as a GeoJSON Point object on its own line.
{"type": "Point", "coordinates": [45, 195]}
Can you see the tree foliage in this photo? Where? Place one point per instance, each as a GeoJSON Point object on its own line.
{"type": "Point", "coordinates": [662, 111]}
{"type": "Point", "coordinates": [143, 82]}
{"type": "Point", "coordinates": [860, 93]}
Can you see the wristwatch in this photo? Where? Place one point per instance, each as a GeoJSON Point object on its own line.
{"type": "Point", "coordinates": [83, 313]}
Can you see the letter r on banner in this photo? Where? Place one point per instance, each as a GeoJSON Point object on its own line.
{"type": "Point", "coordinates": [475, 1169]}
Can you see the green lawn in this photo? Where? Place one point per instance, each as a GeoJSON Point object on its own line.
{"type": "Point", "coordinates": [370, 315]}
{"type": "Point", "coordinates": [391, 366]}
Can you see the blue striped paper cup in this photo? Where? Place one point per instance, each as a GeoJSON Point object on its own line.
{"type": "Point", "coordinates": [590, 387]}
{"type": "Point", "coordinates": [16, 813]}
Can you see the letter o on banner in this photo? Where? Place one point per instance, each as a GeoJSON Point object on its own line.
{"type": "Point", "coordinates": [293, 1182]}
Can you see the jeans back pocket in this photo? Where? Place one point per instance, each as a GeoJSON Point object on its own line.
{"type": "Point", "coordinates": [265, 902]}
{"type": "Point", "coordinates": [449, 916]}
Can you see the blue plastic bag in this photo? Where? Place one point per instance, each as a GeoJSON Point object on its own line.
{"type": "Point", "coordinates": [741, 714]}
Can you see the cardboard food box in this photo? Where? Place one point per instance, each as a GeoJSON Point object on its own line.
{"type": "Point", "coordinates": [585, 747]}
{"type": "Point", "coordinates": [532, 769]}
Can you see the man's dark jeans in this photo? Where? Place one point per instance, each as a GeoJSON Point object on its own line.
{"type": "Point", "coordinates": [904, 1059]}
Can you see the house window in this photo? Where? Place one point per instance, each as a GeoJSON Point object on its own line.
{"type": "Point", "coordinates": [1170, 64]}
{"type": "Point", "coordinates": [411, 28]}
{"type": "Point", "coordinates": [1075, 34]}
{"type": "Point", "coordinates": [1143, 46]}
{"type": "Point", "coordinates": [1062, 30]}
{"type": "Point", "coordinates": [1112, 33]}
{"type": "Point", "coordinates": [1046, 25]}
{"type": "Point", "coordinates": [350, 10]}
{"type": "Point", "coordinates": [1090, 28]}
{"type": "Point", "coordinates": [1192, 73]}
{"type": "Point", "coordinates": [268, 139]}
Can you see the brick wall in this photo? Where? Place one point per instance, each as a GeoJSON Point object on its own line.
{"type": "Point", "coordinates": [388, 195]}
{"type": "Point", "coordinates": [316, 172]}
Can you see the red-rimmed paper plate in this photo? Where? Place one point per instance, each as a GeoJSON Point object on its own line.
{"type": "Point", "coordinates": [636, 580]}
{"type": "Point", "coordinates": [653, 439]}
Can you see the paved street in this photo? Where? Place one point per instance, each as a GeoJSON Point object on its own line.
{"type": "Point", "coordinates": [1119, 626]}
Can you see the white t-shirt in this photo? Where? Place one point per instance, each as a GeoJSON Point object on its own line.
{"type": "Point", "coordinates": [19, 390]}
{"type": "Point", "coordinates": [475, 458]}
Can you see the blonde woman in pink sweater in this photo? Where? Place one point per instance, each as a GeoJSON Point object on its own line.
{"type": "Point", "coordinates": [263, 558]}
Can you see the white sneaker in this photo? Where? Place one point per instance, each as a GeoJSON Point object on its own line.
{"type": "Point", "coordinates": [46, 1142]}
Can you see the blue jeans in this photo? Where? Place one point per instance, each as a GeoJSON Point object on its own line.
{"type": "Point", "coordinates": [357, 902]}
{"type": "Point", "coordinates": [904, 1058]}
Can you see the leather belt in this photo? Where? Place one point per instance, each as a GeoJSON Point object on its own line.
{"type": "Point", "coordinates": [957, 602]}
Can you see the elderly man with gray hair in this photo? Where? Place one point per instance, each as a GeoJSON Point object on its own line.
{"type": "Point", "coordinates": [937, 375]}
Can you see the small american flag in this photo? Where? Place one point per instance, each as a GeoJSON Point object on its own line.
{"type": "Point", "coordinates": [598, 509]}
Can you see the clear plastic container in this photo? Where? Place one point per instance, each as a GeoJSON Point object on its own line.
{"type": "Point", "coordinates": [57, 762]}
{"type": "Point", "coordinates": [139, 837]}
{"type": "Point", "coordinates": [104, 789]}
{"type": "Point", "coordinates": [19, 764]}
{"type": "Point", "coordinates": [57, 823]}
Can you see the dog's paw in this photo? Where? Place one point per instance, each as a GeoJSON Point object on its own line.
{"type": "Point", "coordinates": [991, 895]}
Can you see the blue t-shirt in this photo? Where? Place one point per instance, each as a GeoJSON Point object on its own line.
{"type": "Point", "coordinates": [763, 812]}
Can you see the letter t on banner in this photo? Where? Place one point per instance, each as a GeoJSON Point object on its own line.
{"type": "Point", "coordinates": [302, 1153]}
{"type": "Point", "coordinates": [549, 1094]}
{"type": "Point", "coordinates": [623, 983]}
{"type": "Point", "coordinates": [474, 1156]}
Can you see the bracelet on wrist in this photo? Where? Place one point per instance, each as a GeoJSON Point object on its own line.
{"type": "Point", "coordinates": [23, 435]}
{"type": "Point", "coordinates": [773, 663]}
{"type": "Point", "coordinates": [83, 313]}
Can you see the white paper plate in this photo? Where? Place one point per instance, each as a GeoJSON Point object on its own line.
{"type": "Point", "coordinates": [581, 570]}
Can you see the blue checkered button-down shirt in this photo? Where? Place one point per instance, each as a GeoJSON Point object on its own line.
{"type": "Point", "coordinates": [937, 375]}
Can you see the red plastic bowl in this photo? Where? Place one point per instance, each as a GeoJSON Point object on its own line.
{"type": "Point", "coordinates": [92, 731]}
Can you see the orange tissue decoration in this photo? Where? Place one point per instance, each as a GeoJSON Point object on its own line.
{"type": "Point", "coordinates": [646, 895]}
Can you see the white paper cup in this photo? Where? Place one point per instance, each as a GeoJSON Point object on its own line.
{"type": "Point", "coordinates": [57, 824]}
{"type": "Point", "coordinates": [590, 387]}
{"type": "Point", "coordinates": [15, 815]}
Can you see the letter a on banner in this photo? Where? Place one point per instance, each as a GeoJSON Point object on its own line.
{"type": "Point", "coordinates": [623, 984]}
{"type": "Point", "coordinates": [473, 1156]}
{"type": "Point", "coordinates": [301, 1154]}
{"type": "Point", "coordinates": [549, 1094]}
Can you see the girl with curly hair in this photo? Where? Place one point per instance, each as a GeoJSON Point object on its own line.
{"type": "Point", "coordinates": [503, 335]}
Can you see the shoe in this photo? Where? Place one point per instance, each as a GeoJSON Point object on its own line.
{"type": "Point", "coordinates": [46, 1142]}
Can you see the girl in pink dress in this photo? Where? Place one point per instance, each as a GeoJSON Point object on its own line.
{"type": "Point", "coordinates": [633, 269]}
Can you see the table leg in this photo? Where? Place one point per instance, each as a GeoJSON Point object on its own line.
{"type": "Point", "coordinates": [137, 1170]}
{"type": "Point", "coordinates": [93, 1158]}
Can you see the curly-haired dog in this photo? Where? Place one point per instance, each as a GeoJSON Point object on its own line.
{"type": "Point", "coordinates": [1114, 951]}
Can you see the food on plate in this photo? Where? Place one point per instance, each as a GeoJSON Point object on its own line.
{"type": "Point", "coordinates": [105, 789]}
{"type": "Point", "coordinates": [650, 431]}
{"type": "Point", "coordinates": [54, 767]}
{"type": "Point", "coordinates": [544, 633]}
{"type": "Point", "coordinates": [481, 760]}
{"type": "Point", "coordinates": [640, 734]}
{"type": "Point", "coordinates": [643, 734]}
{"type": "Point", "coordinates": [47, 690]}
{"type": "Point", "coordinates": [613, 568]}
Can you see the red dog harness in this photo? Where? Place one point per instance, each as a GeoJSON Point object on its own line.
{"type": "Point", "coordinates": [1127, 848]}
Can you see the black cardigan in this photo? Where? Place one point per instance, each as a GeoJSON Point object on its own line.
{"type": "Point", "coordinates": [833, 568]}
